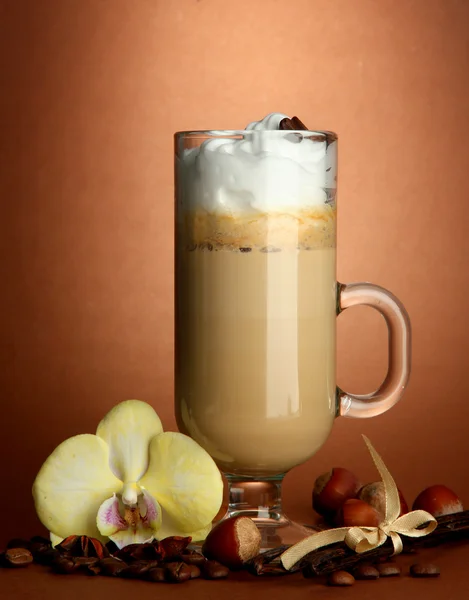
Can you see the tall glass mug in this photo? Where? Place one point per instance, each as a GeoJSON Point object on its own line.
{"type": "Point", "coordinates": [256, 307]}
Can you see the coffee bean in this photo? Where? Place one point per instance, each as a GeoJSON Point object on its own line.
{"type": "Point", "coordinates": [366, 572]}
{"type": "Point", "coordinates": [192, 557]}
{"type": "Point", "coordinates": [19, 543]}
{"type": "Point", "coordinates": [340, 579]}
{"type": "Point", "coordinates": [85, 564]}
{"type": "Point", "coordinates": [135, 552]}
{"type": "Point", "coordinates": [86, 561]}
{"type": "Point", "coordinates": [40, 539]}
{"type": "Point", "coordinates": [294, 138]}
{"type": "Point", "coordinates": [64, 565]}
{"type": "Point", "coordinates": [111, 567]}
{"type": "Point", "coordinates": [139, 568]}
{"type": "Point", "coordinates": [111, 547]}
{"type": "Point", "coordinates": [194, 571]}
{"type": "Point", "coordinates": [44, 555]}
{"type": "Point", "coordinates": [206, 246]}
{"type": "Point", "coordinates": [212, 569]}
{"type": "Point", "coordinates": [388, 570]}
{"type": "Point", "coordinates": [93, 570]}
{"type": "Point", "coordinates": [156, 574]}
{"type": "Point", "coordinates": [177, 572]}
{"type": "Point", "coordinates": [136, 570]}
{"type": "Point", "coordinates": [246, 249]}
{"type": "Point", "coordinates": [18, 557]}
{"type": "Point", "coordinates": [171, 548]}
{"type": "Point", "coordinates": [38, 547]}
{"type": "Point", "coordinates": [424, 570]}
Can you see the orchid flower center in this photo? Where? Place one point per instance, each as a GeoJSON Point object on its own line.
{"type": "Point", "coordinates": [132, 516]}
{"type": "Point", "coordinates": [130, 493]}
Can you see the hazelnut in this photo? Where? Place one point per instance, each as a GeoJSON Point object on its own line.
{"type": "Point", "coordinates": [438, 500]}
{"type": "Point", "coordinates": [375, 496]}
{"type": "Point", "coordinates": [357, 513]}
{"type": "Point", "coordinates": [332, 489]}
{"type": "Point", "coordinates": [232, 542]}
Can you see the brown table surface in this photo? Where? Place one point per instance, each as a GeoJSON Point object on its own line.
{"type": "Point", "coordinates": [39, 584]}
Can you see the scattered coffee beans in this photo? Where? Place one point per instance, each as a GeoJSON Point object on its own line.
{"type": "Point", "coordinates": [388, 570]}
{"type": "Point", "coordinates": [18, 557]}
{"type": "Point", "coordinates": [45, 556]}
{"type": "Point", "coordinates": [65, 565]}
{"type": "Point", "coordinates": [212, 569]}
{"type": "Point", "coordinates": [177, 572]}
{"type": "Point", "coordinates": [191, 557]}
{"type": "Point", "coordinates": [340, 579]}
{"type": "Point", "coordinates": [136, 570]}
{"type": "Point", "coordinates": [86, 561]}
{"type": "Point", "coordinates": [111, 567]}
{"type": "Point", "coordinates": [157, 574]}
{"type": "Point", "coordinates": [194, 570]}
{"type": "Point", "coordinates": [424, 570]}
{"type": "Point", "coordinates": [93, 570]}
{"type": "Point", "coordinates": [40, 539]}
{"type": "Point", "coordinates": [366, 572]}
{"type": "Point", "coordinates": [172, 548]}
{"type": "Point", "coordinates": [168, 560]}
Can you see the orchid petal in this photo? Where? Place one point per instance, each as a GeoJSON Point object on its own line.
{"type": "Point", "coordinates": [55, 539]}
{"type": "Point", "coordinates": [184, 479]}
{"type": "Point", "coordinates": [136, 524]}
{"type": "Point", "coordinates": [72, 484]}
{"type": "Point", "coordinates": [170, 528]}
{"type": "Point", "coordinates": [128, 429]}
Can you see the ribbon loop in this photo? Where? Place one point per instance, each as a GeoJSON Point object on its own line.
{"type": "Point", "coordinates": [364, 539]}
{"type": "Point", "coordinates": [396, 542]}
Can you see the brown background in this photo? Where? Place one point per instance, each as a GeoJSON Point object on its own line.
{"type": "Point", "coordinates": [91, 92]}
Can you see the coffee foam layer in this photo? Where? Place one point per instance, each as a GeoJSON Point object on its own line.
{"type": "Point", "coordinates": [307, 229]}
{"type": "Point", "coordinates": [261, 170]}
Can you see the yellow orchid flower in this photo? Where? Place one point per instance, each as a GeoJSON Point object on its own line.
{"type": "Point", "coordinates": [131, 482]}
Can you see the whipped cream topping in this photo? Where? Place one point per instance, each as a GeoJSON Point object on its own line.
{"type": "Point", "coordinates": [264, 171]}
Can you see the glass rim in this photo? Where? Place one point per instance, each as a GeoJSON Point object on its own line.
{"type": "Point", "coordinates": [322, 135]}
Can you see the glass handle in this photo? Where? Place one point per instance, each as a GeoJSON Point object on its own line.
{"type": "Point", "coordinates": [399, 330]}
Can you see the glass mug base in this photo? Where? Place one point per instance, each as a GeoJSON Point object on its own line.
{"type": "Point", "coordinates": [260, 500]}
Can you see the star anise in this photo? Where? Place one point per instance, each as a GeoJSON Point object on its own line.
{"type": "Point", "coordinates": [82, 545]}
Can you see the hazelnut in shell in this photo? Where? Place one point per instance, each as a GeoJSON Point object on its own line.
{"type": "Point", "coordinates": [232, 542]}
{"type": "Point", "coordinates": [438, 500]}
{"type": "Point", "coordinates": [357, 513]}
{"type": "Point", "coordinates": [332, 489]}
{"type": "Point", "coordinates": [375, 496]}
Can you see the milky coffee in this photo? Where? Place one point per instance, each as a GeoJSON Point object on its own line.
{"type": "Point", "coordinates": [255, 336]}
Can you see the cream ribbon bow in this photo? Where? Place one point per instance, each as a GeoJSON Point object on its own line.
{"type": "Point", "coordinates": [363, 539]}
